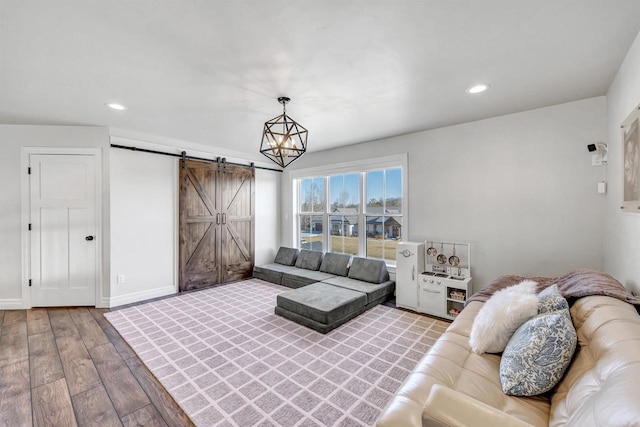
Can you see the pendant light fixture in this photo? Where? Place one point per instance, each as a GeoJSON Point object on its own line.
{"type": "Point", "coordinates": [283, 140]}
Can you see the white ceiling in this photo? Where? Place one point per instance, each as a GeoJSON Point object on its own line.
{"type": "Point", "coordinates": [210, 71]}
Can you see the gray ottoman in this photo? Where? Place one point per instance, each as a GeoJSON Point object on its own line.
{"type": "Point", "coordinates": [321, 306]}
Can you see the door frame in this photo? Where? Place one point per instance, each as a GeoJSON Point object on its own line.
{"type": "Point", "coordinates": [25, 187]}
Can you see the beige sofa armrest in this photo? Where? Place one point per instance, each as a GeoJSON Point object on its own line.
{"type": "Point", "coordinates": [446, 407]}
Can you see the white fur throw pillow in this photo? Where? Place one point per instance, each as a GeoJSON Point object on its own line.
{"type": "Point", "coordinates": [501, 315]}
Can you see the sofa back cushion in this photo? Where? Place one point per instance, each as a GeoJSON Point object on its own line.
{"type": "Point", "coordinates": [337, 264]}
{"type": "Point", "coordinates": [286, 256]}
{"type": "Point", "coordinates": [604, 373]}
{"type": "Point", "coordinates": [369, 270]}
{"type": "Point", "coordinates": [309, 260]}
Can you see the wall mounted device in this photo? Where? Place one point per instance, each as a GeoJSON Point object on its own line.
{"type": "Point", "coordinates": [600, 154]}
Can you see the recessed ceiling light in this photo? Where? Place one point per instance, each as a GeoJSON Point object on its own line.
{"type": "Point", "coordinates": [115, 106]}
{"type": "Point", "coordinates": [478, 88]}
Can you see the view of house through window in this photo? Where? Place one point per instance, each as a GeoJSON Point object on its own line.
{"type": "Point", "coordinates": [383, 212]}
{"type": "Point", "coordinates": [344, 199]}
{"type": "Point", "coordinates": [312, 200]}
{"type": "Point", "coordinates": [357, 213]}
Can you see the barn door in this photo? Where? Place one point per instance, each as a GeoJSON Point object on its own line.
{"type": "Point", "coordinates": [237, 196]}
{"type": "Point", "coordinates": [200, 215]}
{"type": "Point", "coordinates": [216, 224]}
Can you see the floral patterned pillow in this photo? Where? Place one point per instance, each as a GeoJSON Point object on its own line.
{"type": "Point", "coordinates": [538, 354]}
{"type": "Point", "coordinates": [550, 300]}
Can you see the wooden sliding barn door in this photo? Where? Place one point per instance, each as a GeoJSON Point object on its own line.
{"type": "Point", "coordinates": [237, 195]}
{"type": "Point", "coordinates": [200, 215]}
{"type": "Point", "coordinates": [216, 224]}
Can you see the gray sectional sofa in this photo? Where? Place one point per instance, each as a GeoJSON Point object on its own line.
{"type": "Point", "coordinates": [329, 289]}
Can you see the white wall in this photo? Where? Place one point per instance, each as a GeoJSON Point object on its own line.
{"type": "Point", "coordinates": [267, 220]}
{"type": "Point", "coordinates": [12, 139]}
{"type": "Point", "coordinates": [520, 188]}
{"type": "Point", "coordinates": [144, 195]}
{"type": "Point", "coordinates": [144, 217]}
{"type": "Point", "coordinates": [622, 238]}
{"type": "Point", "coordinates": [139, 212]}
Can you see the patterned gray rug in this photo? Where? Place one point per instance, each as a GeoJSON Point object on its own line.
{"type": "Point", "coordinates": [228, 360]}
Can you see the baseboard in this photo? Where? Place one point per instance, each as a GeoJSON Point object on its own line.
{"type": "Point", "coordinates": [11, 304]}
{"type": "Point", "coordinates": [103, 303]}
{"type": "Point", "coordinates": [141, 296]}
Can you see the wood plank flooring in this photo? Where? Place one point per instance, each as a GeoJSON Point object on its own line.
{"type": "Point", "coordinates": [70, 367]}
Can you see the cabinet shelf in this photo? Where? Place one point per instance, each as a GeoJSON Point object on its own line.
{"type": "Point", "coordinates": [453, 306]}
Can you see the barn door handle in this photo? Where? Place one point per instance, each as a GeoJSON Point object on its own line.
{"type": "Point", "coordinates": [217, 218]}
{"type": "Point", "coordinates": [89, 238]}
{"type": "Point", "coordinates": [224, 218]}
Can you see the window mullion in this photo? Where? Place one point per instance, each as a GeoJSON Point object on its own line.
{"type": "Point", "coordinates": [384, 209]}
{"type": "Point", "coordinates": [326, 234]}
{"type": "Point", "coordinates": [362, 223]}
{"type": "Point", "coordinates": [297, 222]}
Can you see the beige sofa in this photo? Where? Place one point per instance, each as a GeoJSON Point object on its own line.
{"type": "Point", "coordinates": [452, 386]}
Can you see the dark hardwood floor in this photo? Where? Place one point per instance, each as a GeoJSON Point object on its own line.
{"type": "Point", "coordinates": [69, 367]}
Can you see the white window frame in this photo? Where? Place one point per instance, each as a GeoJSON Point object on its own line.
{"type": "Point", "coordinates": [358, 166]}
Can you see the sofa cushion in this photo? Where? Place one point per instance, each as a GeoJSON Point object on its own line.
{"type": "Point", "coordinates": [304, 277]}
{"type": "Point", "coordinates": [309, 260]}
{"type": "Point", "coordinates": [538, 354]}
{"type": "Point", "coordinates": [337, 264]}
{"type": "Point", "coordinates": [273, 277]}
{"type": "Point", "coordinates": [550, 300]}
{"type": "Point", "coordinates": [373, 291]}
{"type": "Point", "coordinates": [369, 270]}
{"type": "Point", "coordinates": [273, 268]}
{"type": "Point", "coordinates": [286, 256]}
{"type": "Point", "coordinates": [322, 302]}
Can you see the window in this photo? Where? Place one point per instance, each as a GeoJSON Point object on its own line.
{"type": "Point", "coordinates": [358, 212]}
{"type": "Point", "coordinates": [311, 204]}
{"type": "Point", "coordinates": [383, 212]}
{"type": "Point", "coordinates": [344, 212]}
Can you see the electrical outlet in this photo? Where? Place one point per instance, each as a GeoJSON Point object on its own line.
{"type": "Point", "coordinates": [120, 279]}
{"type": "Point", "coordinates": [602, 187]}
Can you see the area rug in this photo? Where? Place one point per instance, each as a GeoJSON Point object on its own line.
{"type": "Point", "coordinates": [228, 360]}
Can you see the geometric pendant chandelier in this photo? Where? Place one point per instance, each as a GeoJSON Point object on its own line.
{"type": "Point", "coordinates": [283, 140]}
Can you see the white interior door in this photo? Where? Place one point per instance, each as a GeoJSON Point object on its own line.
{"type": "Point", "coordinates": [63, 230]}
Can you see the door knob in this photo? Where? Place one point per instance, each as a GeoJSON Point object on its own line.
{"type": "Point", "coordinates": [89, 238]}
